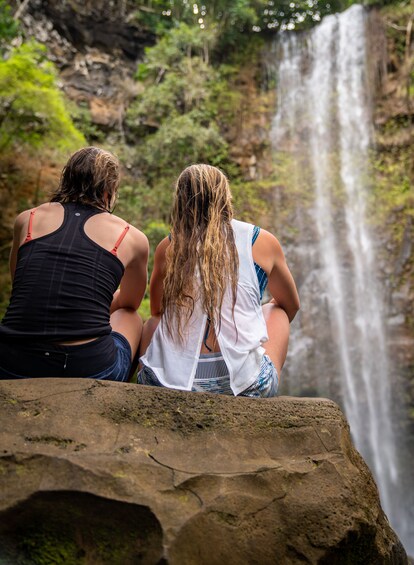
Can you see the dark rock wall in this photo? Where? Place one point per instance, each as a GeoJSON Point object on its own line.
{"type": "Point", "coordinates": [96, 46]}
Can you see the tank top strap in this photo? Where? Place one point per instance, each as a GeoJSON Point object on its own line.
{"type": "Point", "coordinates": [119, 240]}
{"type": "Point", "coordinates": [256, 231]}
{"type": "Point", "coordinates": [30, 226]}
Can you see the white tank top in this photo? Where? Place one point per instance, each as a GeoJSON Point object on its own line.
{"type": "Point", "coordinates": [175, 364]}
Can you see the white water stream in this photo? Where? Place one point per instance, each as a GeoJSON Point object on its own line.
{"type": "Point", "coordinates": [324, 121]}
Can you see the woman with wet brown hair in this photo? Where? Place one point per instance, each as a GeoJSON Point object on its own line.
{"type": "Point", "coordinates": [67, 317]}
{"type": "Point", "coordinates": [208, 330]}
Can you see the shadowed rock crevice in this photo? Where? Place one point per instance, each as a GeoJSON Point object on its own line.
{"type": "Point", "coordinates": [75, 527]}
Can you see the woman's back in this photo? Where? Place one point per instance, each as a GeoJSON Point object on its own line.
{"type": "Point", "coordinates": [205, 296]}
{"type": "Point", "coordinates": [64, 279]}
{"type": "Point", "coordinates": [239, 333]}
{"type": "Point", "coordinates": [79, 275]}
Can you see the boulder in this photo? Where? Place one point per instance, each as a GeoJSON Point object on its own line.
{"type": "Point", "coordinates": [111, 473]}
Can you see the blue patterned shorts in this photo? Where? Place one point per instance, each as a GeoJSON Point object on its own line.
{"type": "Point", "coordinates": [265, 385]}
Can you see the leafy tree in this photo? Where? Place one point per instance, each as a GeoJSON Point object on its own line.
{"type": "Point", "coordinates": [8, 26]}
{"type": "Point", "coordinates": [237, 20]}
{"type": "Point", "coordinates": [182, 141]}
{"type": "Point", "coordinates": [32, 108]}
{"type": "Point", "coordinates": [172, 122]}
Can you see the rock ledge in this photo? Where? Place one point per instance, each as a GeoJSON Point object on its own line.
{"type": "Point", "coordinates": [102, 472]}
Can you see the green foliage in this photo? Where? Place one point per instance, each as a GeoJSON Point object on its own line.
{"type": "Point", "coordinates": [32, 108]}
{"type": "Point", "coordinates": [156, 232]}
{"type": "Point", "coordinates": [174, 121]}
{"type": "Point", "coordinates": [81, 118]}
{"type": "Point", "coordinates": [234, 21]}
{"type": "Point", "coordinates": [181, 141]}
{"type": "Point", "coordinates": [144, 310]}
{"type": "Point", "coordinates": [139, 202]}
{"type": "Point", "coordinates": [393, 195]}
{"type": "Point", "coordinates": [159, 15]}
{"type": "Point", "coordinates": [8, 26]}
{"type": "Point", "coordinates": [249, 199]}
{"type": "Point", "coordinates": [177, 77]}
{"type": "Point", "coordinates": [183, 40]}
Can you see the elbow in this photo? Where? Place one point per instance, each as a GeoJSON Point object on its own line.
{"type": "Point", "coordinates": [294, 309]}
{"type": "Point", "coordinates": [131, 304]}
{"type": "Point", "coordinates": [155, 312]}
{"type": "Point", "coordinates": [290, 309]}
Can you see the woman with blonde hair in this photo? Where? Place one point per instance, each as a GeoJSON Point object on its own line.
{"type": "Point", "coordinates": [66, 316]}
{"type": "Point", "coordinates": [208, 330]}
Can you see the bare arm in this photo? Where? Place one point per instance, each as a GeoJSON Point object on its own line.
{"type": "Point", "coordinates": [157, 277]}
{"type": "Point", "coordinates": [269, 255]}
{"type": "Point", "coordinates": [20, 222]}
{"type": "Point", "coordinates": [134, 281]}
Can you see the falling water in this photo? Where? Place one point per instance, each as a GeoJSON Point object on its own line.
{"type": "Point", "coordinates": [324, 123]}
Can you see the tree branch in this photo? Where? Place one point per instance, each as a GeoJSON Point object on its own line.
{"type": "Point", "coordinates": [394, 26]}
{"type": "Point", "coordinates": [21, 9]}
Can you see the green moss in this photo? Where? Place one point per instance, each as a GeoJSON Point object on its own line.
{"type": "Point", "coordinates": [50, 547]}
{"type": "Point", "coordinates": [47, 545]}
{"type": "Point", "coordinates": [392, 197]}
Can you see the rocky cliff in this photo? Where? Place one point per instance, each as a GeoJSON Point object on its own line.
{"type": "Point", "coordinates": [95, 46]}
{"type": "Point", "coordinates": [114, 473]}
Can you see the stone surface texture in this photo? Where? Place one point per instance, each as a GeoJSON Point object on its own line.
{"type": "Point", "coordinates": [95, 46]}
{"type": "Point", "coordinates": [110, 473]}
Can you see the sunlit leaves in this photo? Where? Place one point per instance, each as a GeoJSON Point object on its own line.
{"type": "Point", "coordinates": [236, 18]}
{"type": "Point", "coordinates": [32, 108]}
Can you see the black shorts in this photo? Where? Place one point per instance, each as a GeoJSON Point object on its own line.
{"type": "Point", "coordinates": [107, 357]}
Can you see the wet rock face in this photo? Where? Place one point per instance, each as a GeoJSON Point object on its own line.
{"type": "Point", "coordinates": [120, 473]}
{"type": "Point", "coordinates": [96, 46]}
{"type": "Point", "coordinates": [107, 26]}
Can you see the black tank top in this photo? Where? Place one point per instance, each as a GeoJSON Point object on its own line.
{"type": "Point", "coordinates": [63, 284]}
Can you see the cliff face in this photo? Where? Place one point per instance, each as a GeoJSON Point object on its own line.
{"type": "Point", "coordinates": [394, 136]}
{"type": "Point", "coordinates": [96, 46]}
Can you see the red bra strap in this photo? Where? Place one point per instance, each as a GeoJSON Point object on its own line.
{"type": "Point", "coordinates": [119, 240]}
{"type": "Point", "coordinates": [29, 227]}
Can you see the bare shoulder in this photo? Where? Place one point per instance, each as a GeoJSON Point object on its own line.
{"type": "Point", "coordinates": [139, 237]}
{"type": "Point", "coordinates": [134, 233]}
{"type": "Point", "coordinates": [22, 219]}
{"type": "Point", "coordinates": [268, 241]}
{"type": "Point", "coordinates": [113, 220]}
{"type": "Point", "coordinates": [267, 251]}
{"type": "Point", "coordinates": [163, 244]}
{"type": "Point", "coordinates": [48, 206]}
{"type": "Point", "coordinates": [160, 253]}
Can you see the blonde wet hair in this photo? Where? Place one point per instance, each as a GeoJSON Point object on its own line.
{"type": "Point", "coordinates": [202, 242]}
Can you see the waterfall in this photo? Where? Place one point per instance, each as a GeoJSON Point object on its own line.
{"type": "Point", "coordinates": [324, 124]}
